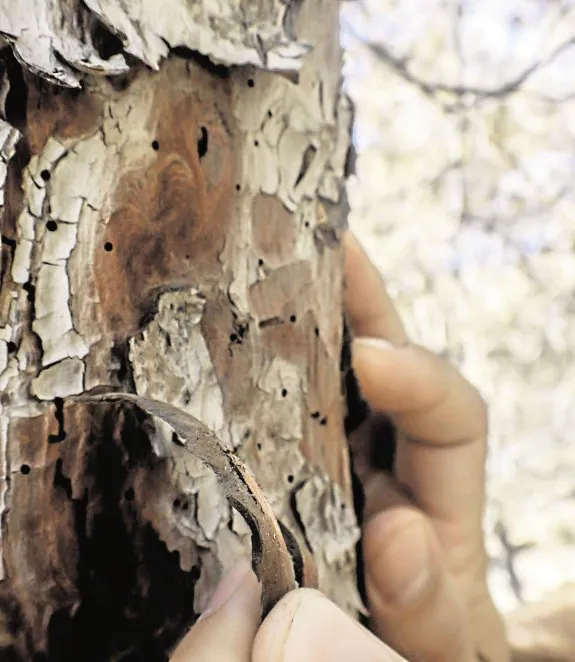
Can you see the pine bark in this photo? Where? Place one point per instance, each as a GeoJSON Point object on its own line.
{"type": "Point", "coordinates": [171, 179]}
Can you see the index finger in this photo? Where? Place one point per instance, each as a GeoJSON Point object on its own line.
{"type": "Point", "coordinates": [369, 307]}
{"type": "Point", "coordinates": [440, 454]}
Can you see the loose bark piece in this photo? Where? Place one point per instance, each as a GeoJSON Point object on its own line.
{"type": "Point", "coordinates": [66, 39]}
{"type": "Point", "coordinates": [270, 557]}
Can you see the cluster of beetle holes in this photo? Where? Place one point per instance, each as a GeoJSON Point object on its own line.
{"type": "Point", "coordinates": [52, 226]}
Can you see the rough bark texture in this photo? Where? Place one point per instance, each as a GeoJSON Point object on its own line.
{"type": "Point", "coordinates": [171, 177]}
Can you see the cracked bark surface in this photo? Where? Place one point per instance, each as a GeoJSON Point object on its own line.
{"type": "Point", "coordinates": [172, 201]}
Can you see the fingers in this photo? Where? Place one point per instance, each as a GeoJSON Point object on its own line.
{"type": "Point", "coordinates": [413, 602]}
{"type": "Point", "coordinates": [226, 630]}
{"type": "Point", "coordinates": [429, 398]}
{"type": "Point", "coordinates": [306, 627]}
{"type": "Point", "coordinates": [441, 454]}
{"type": "Point", "coordinates": [369, 306]}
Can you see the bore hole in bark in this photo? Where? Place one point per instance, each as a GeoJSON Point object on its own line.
{"type": "Point", "coordinates": [257, 143]}
{"type": "Point", "coordinates": [11, 347]}
{"type": "Point", "coordinates": [203, 142]}
{"type": "Point", "coordinates": [52, 226]}
{"type": "Point", "coordinates": [293, 319]}
{"type": "Point", "coordinates": [251, 82]}
{"type": "Point", "coordinates": [129, 494]}
{"type": "Point", "coordinates": [316, 331]}
{"type": "Point", "coordinates": [306, 224]}
{"type": "Point", "coordinates": [185, 505]}
{"type": "Point", "coordinates": [177, 503]}
{"type": "Point", "coordinates": [284, 392]}
{"type": "Point", "coordinates": [259, 446]}
{"type": "Point", "coordinates": [108, 246]}
{"type": "Point", "coordinates": [233, 337]}
{"type": "Point", "coordinates": [238, 187]}
{"type": "Point", "coordinates": [155, 145]}
{"type": "Point", "coordinates": [290, 478]}
{"type": "Point", "coordinates": [270, 114]}
{"type": "Point", "coordinates": [323, 421]}
{"type": "Point", "coordinates": [24, 469]}
{"type": "Point", "coordinates": [315, 414]}
{"type": "Point", "coordinates": [45, 174]}
{"type": "Point", "coordinates": [308, 157]}
{"type": "Point", "coordinates": [260, 262]}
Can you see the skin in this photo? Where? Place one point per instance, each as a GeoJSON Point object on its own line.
{"type": "Point", "coordinates": [425, 561]}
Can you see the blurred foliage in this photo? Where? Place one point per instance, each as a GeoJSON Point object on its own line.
{"type": "Point", "coordinates": [464, 197]}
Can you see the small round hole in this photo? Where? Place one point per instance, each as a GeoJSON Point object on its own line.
{"type": "Point", "coordinates": [25, 469]}
{"type": "Point", "coordinates": [185, 506]}
{"type": "Point", "coordinates": [238, 187]}
{"type": "Point", "coordinates": [316, 331]}
{"type": "Point", "coordinates": [259, 446]}
{"type": "Point", "coordinates": [292, 318]}
{"type": "Point", "coordinates": [284, 392]}
{"type": "Point", "coordinates": [233, 337]}
{"type": "Point", "coordinates": [155, 145]}
{"type": "Point", "coordinates": [315, 414]}
{"type": "Point", "coordinates": [176, 503]}
{"type": "Point", "coordinates": [257, 143]}
{"type": "Point", "coordinates": [45, 174]}
{"type": "Point", "coordinates": [306, 224]}
{"type": "Point", "coordinates": [51, 226]}
{"type": "Point", "coordinates": [290, 478]}
{"type": "Point", "coordinates": [323, 421]}
{"type": "Point", "coordinates": [251, 82]}
{"type": "Point", "coordinates": [202, 143]}
{"type": "Point", "coordinates": [260, 262]}
{"type": "Point", "coordinates": [270, 114]}
{"type": "Point", "coordinates": [108, 246]}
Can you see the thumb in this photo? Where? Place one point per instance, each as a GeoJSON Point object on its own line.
{"type": "Point", "coordinates": [413, 600]}
{"type": "Point", "coordinates": [226, 630]}
{"type": "Point", "coordinates": [306, 627]}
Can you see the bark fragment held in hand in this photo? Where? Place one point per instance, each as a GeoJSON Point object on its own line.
{"type": "Point", "coordinates": [271, 559]}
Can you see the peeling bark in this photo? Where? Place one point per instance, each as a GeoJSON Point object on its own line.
{"type": "Point", "coordinates": [171, 181]}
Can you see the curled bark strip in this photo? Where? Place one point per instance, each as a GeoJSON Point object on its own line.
{"type": "Point", "coordinates": [271, 560]}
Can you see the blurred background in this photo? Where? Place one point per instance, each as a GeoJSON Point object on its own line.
{"type": "Point", "coordinates": [464, 198]}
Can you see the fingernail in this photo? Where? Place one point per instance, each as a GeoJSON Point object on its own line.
{"type": "Point", "coordinates": [227, 588]}
{"type": "Point", "coordinates": [380, 343]}
{"type": "Point", "coordinates": [400, 569]}
{"type": "Point", "coordinates": [376, 343]}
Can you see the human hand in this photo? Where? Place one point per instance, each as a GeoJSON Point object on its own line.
{"type": "Point", "coordinates": [423, 543]}
{"type": "Point", "coordinates": [424, 555]}
{"type": "Point", "coordinates": [303, 627]}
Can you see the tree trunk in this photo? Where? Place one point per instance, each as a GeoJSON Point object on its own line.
{"type": "Point", "coordinates": [172, 180]}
